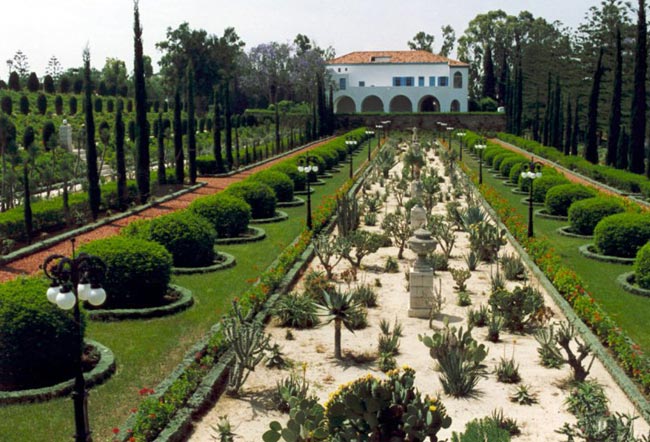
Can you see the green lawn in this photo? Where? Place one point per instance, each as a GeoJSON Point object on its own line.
{"type": "Point", "coordinates": [628, 310]}
{"type": "Point", "coordinates": [147, 351]}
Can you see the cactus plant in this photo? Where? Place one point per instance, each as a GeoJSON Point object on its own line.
{"type": "Point", "coordinates": [328, 251]}
{"type": "Point", "coordinates": [486, 240]}
{"type": "Point", "coordinates": [397, 226]}
{"type": "Point", "coordinates": [306, 423]}
{"type": "Point", "coordinates": [348, 215]}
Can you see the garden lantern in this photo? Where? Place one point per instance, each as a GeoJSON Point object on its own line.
{"type": "Point", "coordinates": [307, 165]}
{"type": "Point", "coordinates": [370, 134]}
{"type": "Point", "coordinates": [532, 172]}
{"type": "Point", "coordinates": [351, 146]}
{"type": "Point", "coordinates": [461, 136]}
{"type": "Point", "coordinates": [480, 148]}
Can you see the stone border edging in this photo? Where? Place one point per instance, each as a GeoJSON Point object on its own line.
{"type": "Point", "coordinates": [585, 251]}
{"type": "Point", "coordinates": [510, 184]}
{"type": "Point", "coordinates": [626, 281]}
{"type": "Point", "coordinates": [535, 204]}
{"type": "Point", "coordinates": [229, 262]}
{"type": "Point", "coordinates": [303, 192]}
{"type": "Point", "coordinates": [629, 388]}
{"type": "Point", "coordinates": [279, 216]}
{"type": "Point", "coordinates": [543, 213]}
{"type": "Point", "coordinates": [186, 301]}
{"type": "Point", "coordinates": [293, 203]}
{"type": "Point", "coordinates": [564, 230]}
{"type": "Point", "coordinates": [318, 182]}
{"type": "Point", "coordinates": [41, 245]}
{"type": "Point", "coordinates": [102, 371]}
{"type": "Point", "coordinates": [518, 191]}
{"type": "Point", "coordinates": [258, 235]}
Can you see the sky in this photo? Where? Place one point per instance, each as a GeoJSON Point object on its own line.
{"type": "Point", "coordinates": [43, 28]}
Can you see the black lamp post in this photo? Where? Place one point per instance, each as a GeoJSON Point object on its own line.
{"type": "Point", "coordinates": [450, 131]}
{"type": "Point", "coordinates": [386, 126]}
{"type": "Point", "coordinates": [308, 164]}
{"type": "Point", "coordinates": [378, 129]}
{"type": "Point", "coordinates": [369, 134]}
{"type": "Point", "coordinates": [351, 145]}
{"type": "Point", "coordinates": [480, 148]}
{"type": "Point", "coordinates": [461, 137]}
{"type": "Point", "coordinates": [532, 172]}
{"type": "Point", "coordinates": [74, 280]}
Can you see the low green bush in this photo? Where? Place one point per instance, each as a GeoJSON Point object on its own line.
{"type": "Point", "coordinates": [188, 236]}
{"type": "Point", "coordinates": [586, 213]}
{"type": "Point", "coordinates": [258, 195]}
{"type": "Point", "coordinates": [543, 184]}
{"type": "Point", "coordinates": [500, 158]}
{"type": "Point", "coordinates": [138, 271]}
{"type": "Point", "coordinates": [228, 214]}
{"type": "Point", "coordinates": [206, 165]}
{"type": "Point", "coordinates": [642, 267]}
{"type": "Point", "coordinates": [559, 198]}
{"type": "Point", "coordinates": [509, 162]}
{"type": "Point", "coordinates": [38, 342]}
{"type": "Point", "coordinates": [622, 234]}
{"type": "Point", "coordinates": [490, 152]}
{"type": "Point", "coordinates": [278, 181]}
{"type": "Point", "coordinates": [516, 307]}
{"type": "Point", "coordinates": [290, 168]}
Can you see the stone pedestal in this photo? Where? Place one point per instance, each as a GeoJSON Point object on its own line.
{"type": "Point", "coordinates": [421, 275]}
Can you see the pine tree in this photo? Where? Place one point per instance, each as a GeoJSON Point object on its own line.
{"type": "Point", "coordinates": [637, 115]}
{"type": "Point", "coordinates": [94, 194]}
{"type": "Point", "coordinates": [178, 139]}
{"type": "Point", "coordinates": [162, 172]}
{"type": "Point", "coordinates": [489, 80]}
{"type": "Point", "coordinates": [191, 125]}
{"type": "Point", "coordinates": [591, 148]}
{"type": "Point", "coordinates": [622, 154]}
{"type": "Point", "coordinates": [216, 132]}
{"type": "Point", "coordinates": [120, 159]}
{"type": "Point", "coordinates": [615, 109]}
{"type": "Point", "coordinates": [142, 129]}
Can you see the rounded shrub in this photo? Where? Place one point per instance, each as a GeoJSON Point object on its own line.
{"type": "Point", "coordinates": [278, 181]}
{"type": "Point", "coordinates": [500, 158]}
{"type": "Point", "coordinates": [341, 149]}
{"type": "Point", "coordinates": [515, 172]}
{"type": "Point", "coordinates": [188, 236]}
{"type": "Point", "coordinates": [290, 168]}
{"type": "Point", "coordinates": [228, 214]}
{"type": "Point", "coordinates": [38, 343]}
{"type": "Point", "coordinates": [559, 198]}
{"type": "Point", "coordinates": [586, 213]}
{"type": "Point", "coordinates": [260, 197]}
{"type": "Point", "coordinates": [329, 156]}
{"type": "Point", "coordinates": [642, 267]}
{"type": "Point", "coordinates": [543, 184]}
{"type": "Point", "coordinates": [622, 234]}
{"type": "Point", "coordinates": [490, 152]}
{"type": "Point", "coordinates": [138, 271]}
{"type": "Point", "coordinates": [508, 163]}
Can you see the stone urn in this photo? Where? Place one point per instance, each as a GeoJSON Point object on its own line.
{"type": "Point", "coordinates": [422, 244]}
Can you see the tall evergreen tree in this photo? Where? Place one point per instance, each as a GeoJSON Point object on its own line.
{"type": "Point", "coordinates": [556, 121]}
{"type": "Point", "coordinates": [615, 108]}
{"type": "Point", "coordinates": [141, 125]}
{"type": "Point", "coordinates": [120, 159]}
{"type": "Point", "coordinates": [227, 116]}
{"type": "Point", "coordinates": [567, 128]}
{"type": "Point", "coordinates": [547, 112]}
{"type": "Point", "coordinates": [191, 125]}
{"type": "Point", "coordinates": [489, 80]}
{"type": "Point", "coordinates": [576, 127]}
{"type": "Point", "coordinates": [162, 172]}
{"type": "Point", "coordinates": [94, 194]}
{"type": "Point", "coordinates": [591, 147]}
{"type": "Point", "coordinates": [622, 153]}
{"type": "Point", "coordinates": [179, 158]}
{"type": "Point", "coordinates": [637, 115]}
{"type": "Point", "coordinates": [216, 132]}
{"type": "Point", "coordinates": [536, 118]}
{"type": "Point", "coordinates": [27, 203]}
{"type": "Point", "coordinates": [518, 103]}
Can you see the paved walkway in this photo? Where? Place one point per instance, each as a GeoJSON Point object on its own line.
{"type": "Point", "coordinates": [30, 264]}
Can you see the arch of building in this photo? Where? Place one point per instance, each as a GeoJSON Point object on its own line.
{"type": "Point", "coordinates": [345, 105]}
{"type": "Point", "coordinates": [455, 106]}
{"type": "Point", "coordinates": [372, 103]}
{"type": "Point", "coordinates": [401, 103]}
{"type": "Point", "coordinates": [429, 103]}
{"type": "Point", "coordinates": [458, 80]}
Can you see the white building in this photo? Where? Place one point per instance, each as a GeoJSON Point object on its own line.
{"type": "Point", "coordinates": [398, 81]}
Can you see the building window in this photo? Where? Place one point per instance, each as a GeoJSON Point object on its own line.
{"type": "Point", "coordinates": [443, 81]}
{"type": "Point", "coordinates": [362, 84]}
{"type": "Point", "coordinates": [420, 81]}
{"type": "Point", "coordinates": [409, 81]}
{"type": "Point", "coordinates": [397, 81]}
{"type": "Point", "coordinates": [339, 69]}
{"type": "Point", "coordinates": [432, 81]}
{"type": "Point", "coordinates": [342, 84]}
{"type": "Point", "coordinates": [458, 80]}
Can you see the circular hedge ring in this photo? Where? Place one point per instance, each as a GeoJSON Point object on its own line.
{"type": "Point", "coordinates": [252, 234]}
{"type": "Point", "coordinates": [222, 261]}
{"type": "Point", "coordinates": [585, 214]}
{"type": "Point", "coordinates": [568, 231]}
{"type": "Point", "coordinates": [622, 234]}
{"type": "Point", "coordinates": [589, 250]}
{"type": "Point", "coordinates": [627, 281]}
{"type": "Point", "coordinates": [294, 203]}
{"type": "Point", "coordinates": [279, 216]}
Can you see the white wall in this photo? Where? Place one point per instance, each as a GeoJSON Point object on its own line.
{"type": "Point", "coordinates": [382, 74]}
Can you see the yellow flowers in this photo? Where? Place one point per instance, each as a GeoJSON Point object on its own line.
{"type": "Point", "coordinates": [432, 408]}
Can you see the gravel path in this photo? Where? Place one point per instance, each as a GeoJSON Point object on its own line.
{"type": "Point", "coordinates": [30, 264]}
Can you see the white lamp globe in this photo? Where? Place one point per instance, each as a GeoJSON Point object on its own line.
{"type": "Point", "coordinates": [314, 168]}
{"type": "Point", "coordinates": [83, 290]}
{"type": "Point", "coordinates": [308, 169]}
{"type": "Point", "coordinates": [52, 292]}
{"type": "Point", "coordinates": [301, 169]}
{"type": "Point", "coordinates": [65, 300]}
{"type": "Point", "coordinates": [97, 296]}
{"type": "Point", "coordinates": [538, 175]}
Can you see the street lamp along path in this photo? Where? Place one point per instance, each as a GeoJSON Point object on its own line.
{"type": "Point", "coordinates": [308, 164]}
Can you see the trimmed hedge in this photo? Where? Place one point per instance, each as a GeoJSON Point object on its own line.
{"type": "Point", "coordinates": [278, 181]}
{"type": "Point", "coordinates": [544, 184]}
{"type": "Point", "coordinates": [290, 168]}
{"type": "Point", "coordinates": [622, 234]}
{"type": "Point", "coordinates": [642, 267]}
{"type": "Point", "coordinates": [138, 271]}
{"type": "Point", "coordinates": [509, 162]}
{"type": "Point", "coordinates": [501, 157]}
{"type": "Point", "coordinates": [206, 165]}
{"type": "Point", "coordinates": [559, 198]}
{"type": "Point", "coordinates": [228, 214]}
{"type": "Point", "coordinates": [586, 213]}
{"type": "Point", "coordinates": [260, 197]}
{"type": "Point", "coordinates": [185, 234]}
{"type": "Point", "coordinates": [38, 342]}
{"type": "Point", "coordinates": [490, 152]}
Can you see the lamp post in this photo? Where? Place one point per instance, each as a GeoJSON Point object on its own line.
{"type": "Point", "coordinates": [308, 164]}
{"type": "Point", "coordinates": [450, 131]}
{"type": "Point", "coordinates": [351, 145]}
{"type": "Point", "coordinates": [369, 134]}
{"type": "Point", "coordinates": [386, 125]}
{"type": "Point", "coordinates": [532, 173]}
{"type": "Point", "coordinates": [480, 148]}
{"type": "Point", "coordinates": [461, 136]}
{"type": "Point", "coordinates": [74, 280]}
{"type": "Point", "coordinates": [378, 129]}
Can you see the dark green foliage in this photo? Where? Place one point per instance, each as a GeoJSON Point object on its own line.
{"type": "Point", "coordinates": [362, 244]}
{"type": "Point", "coordinates": [186, 235]}
{"type": "Point", "coordinates": [33, 85]}
{"type": "Point", "coordinates": [24, 104]}
{"type": "Point", "coordinates": [559, 198]}
{"type": "Point", "coordinates": [543, 184]}
{"type": "Point", "coordinates": [120, 160]}
{"type": "Point", "coordinates": [549, 352]}
{"type": "Point", "coordinates": [642, 267]}
{"type": "Point", "coordinates": [622, 150]}
{"type": "Point", "coordinates": [348, 214]}
{"type": "Point", "coordinates": [99, 105]}
{"type": "Point", "coordinates": [315, 284]}
{"type": "Point", "coordinates": [38, 343]}
{"type": "Point", "coordinates": [291, 170]}
{"type": "Point", "coordinates": [258, 195]}
{"type": "Point", "coordinates": [509, 162]}
{"type": "Point", "coordinates": [513, 267]}
{"type": "Point", "coordinates": [58, 105]}
{"type": "Point", "coordinates": [228, 214]}
{"type": "Point", "coordinates": [587, 399]}
{"type": "Point", "coordinates": [278, 181]}
{"type": "Point", "coordinates": [297, 311]}
{"type": "Point", "coordinates": [191, 125]}
{"type": "Point", "coordinates": [72, 105]}
{"type": "Point", "coordinates": [94, 194]}
{"type": "Point", "coordinates": [517, 307]}
{"type": "Point", "coordinates": [614, 131]}
{"type": "Point", "coordinates": [178, 140]}
{"type": "Point", "coordinates": [638, 112]}
{"type": "Point", "coordinates": [216, 131]}
{"type": "Point", "coordinates": [507, 371]}
{"type": "Point", "coordinates": [41, 104]}
{"type": "Point", "coordinates": [622, 234]}
{"type": "Point", "coordinates": [478, 318]}
{"type": "Point", "coordinates": [591, 146]}
{"type": "Point", "coordinates": [498, 159]}
{"type": "Point", "coordinates": [138, 271]}
{"type": "Point", "coordinates": [481, 430]}
{"type": "Point", "coordinates": [6, 104]}
{"type": "Point", "coordinates": [365, 295]}
{"type": "Point", "coordinates": [47, 133]}
{"type": "Point", "coordinates": [14, 81]}
{"type": "Point", "coordinates": [141, 125]}
{"type": "Point", "coordinates": [585, 214]}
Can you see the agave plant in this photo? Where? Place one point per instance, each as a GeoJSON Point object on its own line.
{"type": "Point", "coordinates": [341, 308]}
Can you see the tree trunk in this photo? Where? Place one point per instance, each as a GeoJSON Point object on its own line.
{"type": "Point", "coordinates": [27, 207]}
{"type": "Point", "coordinates": [337, 339]}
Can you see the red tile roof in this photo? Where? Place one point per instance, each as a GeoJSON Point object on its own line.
{"type": "Point", "coordinates": [377, 57]}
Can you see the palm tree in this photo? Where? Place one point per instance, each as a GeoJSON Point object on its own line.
{"type": "Point", "coordinates": [340, 308]}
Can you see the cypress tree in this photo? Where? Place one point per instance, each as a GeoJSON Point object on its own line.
{"type": "Point", "coordinates": [615, 109]}
{"type": "Point", "coordinates": [622, 154]}
{"type": "Point", "coordinates": [591, 148]}
{"type": "Point", "coordinates": [332, 119]}
{"type": "Point", "coordinates": [228, 123]}
{"type": "Point", "coordinates": [519, 99]}
{"type": "Point", "coordinates": [567, 128]}
{"type": "Point", "coordinates": [216, 132]}
{"type": "Point", "coordinates": [162, 172]}
{"type": "Point", "coordinates": [576, 128]}
{"type": "Point", "coordinates": [322, 107]}
{"type": "Point", "coordinates": [94, 194]}
{"type": "Point", "coordinates": [178, 139]}
{"type": "Point", "coordinates": [547, 113]}
{"type": "Point", "coordinates": [120, 159]}
{"type": "Point", "coordinates": [536, 119]}
{"type": "Point", "coordinates": [637, 115]}
{"type": "Point", "coordinates": [142, 129]}
{"type": "Point", "coordinates": [489, 81]}
{"type": "Point", "coordinates": [191, 125]}
{"type": "Point", "coordinates": [27, 204]}
{"type": "Point", "coordinates": [556, 135]}
{"type": "Point", "coordinates": [503, 79]}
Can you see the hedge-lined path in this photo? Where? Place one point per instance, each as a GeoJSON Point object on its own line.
{"type": "Point", "coordinates": [30, 264]}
